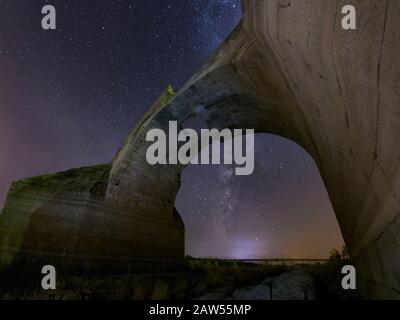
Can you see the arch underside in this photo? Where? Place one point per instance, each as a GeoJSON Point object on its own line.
{"type": "Point", "coordinates": [286, 70]}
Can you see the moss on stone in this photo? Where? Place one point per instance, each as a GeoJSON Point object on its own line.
{"type": "Point", "coordinates": [167, 95]}
{"type": "Point", "coordinates": [87, 179]}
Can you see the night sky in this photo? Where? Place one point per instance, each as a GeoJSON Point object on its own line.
{"type": "Point", "coordinates": [69, 97]}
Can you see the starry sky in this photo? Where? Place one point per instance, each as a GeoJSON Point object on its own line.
{"type": "Point", "coordinates": [70, 96]}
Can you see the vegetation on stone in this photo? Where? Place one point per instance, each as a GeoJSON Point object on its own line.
{"type": "Point", "coordinates": [91, 179]}
{"type": "Point", "coordinates": [167, 95]}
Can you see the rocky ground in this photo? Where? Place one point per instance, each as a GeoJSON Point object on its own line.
{"type": "Point", "coordinates": [206, 280]}
{"type": "Point", "coordinates": [295, 285]}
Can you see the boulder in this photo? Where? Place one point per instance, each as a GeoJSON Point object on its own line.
{"type": "Point", "coordinates": [258, 292]}
{"type": "Point", "coordinates": [160, 290]}
{"type": "Point", "coordinates": [295, 285]}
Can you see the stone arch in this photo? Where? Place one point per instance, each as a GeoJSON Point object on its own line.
{"type": "Point", "coordinates": [292, 71]}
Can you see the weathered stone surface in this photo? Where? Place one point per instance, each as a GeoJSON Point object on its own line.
{"type": "Point", "coordinates": [65, 220]}
{"type": "Point", "coordinates": [288, 69]}
{"type": "Point", "coordinates": [222, 293]}
{"type": "Point", "coordinates": [295, 285]}
{"type": "Point", "coordinates": [212, 296]}
{"type": "Point", "coordinates": [258, 292]}
{"type": "Point", "coordinates": [160, 290]}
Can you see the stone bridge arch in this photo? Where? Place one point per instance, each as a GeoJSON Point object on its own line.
{"type": "Point", "coordinates": [288, 69]}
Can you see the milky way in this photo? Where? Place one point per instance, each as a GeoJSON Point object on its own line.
{"type": "Point", "coordinates": [69, 97]}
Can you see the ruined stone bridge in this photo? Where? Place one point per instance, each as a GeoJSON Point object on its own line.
{"type": "Point", "coordinates": [288, 69]}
